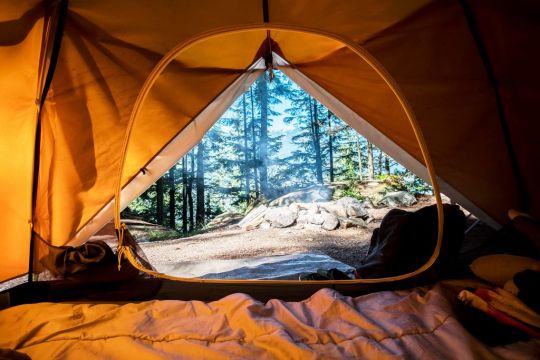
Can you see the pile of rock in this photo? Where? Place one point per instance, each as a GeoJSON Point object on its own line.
{"type": "Point", "coordinates": [328, 215]}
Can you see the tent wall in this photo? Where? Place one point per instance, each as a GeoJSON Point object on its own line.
{"type": "Point", "coordinates": [185, 139]}
{"type": "Point", "coordinates": [102, 65]}
{"type": "Point", "coordinates": [21, 32]}
{"type": "Point", "coordinates": [510, 31]}
{"type": "Point", "coordinates": [110, 47]}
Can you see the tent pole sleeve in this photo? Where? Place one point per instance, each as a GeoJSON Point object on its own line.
{"type": "Point", "coordinates": [480, 45]}
{"type": "Point", "coordinates": [61, 9]}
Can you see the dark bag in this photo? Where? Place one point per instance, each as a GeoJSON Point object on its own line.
{"type": "Point", "coordinates": [405, 241]}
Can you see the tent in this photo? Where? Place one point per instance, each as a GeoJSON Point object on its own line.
{"type": "Point", "coordinates": [99, 98]}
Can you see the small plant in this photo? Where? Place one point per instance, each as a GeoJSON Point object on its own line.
{"type": "Point", "coordinates": [406, 181]}
{"type": "Point", "coordinates": [161, 234]}
{"type": "Point", "coordinates": [350, 190]}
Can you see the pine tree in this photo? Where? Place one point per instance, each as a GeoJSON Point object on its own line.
{"type": "Point", "coordinates": [199, 183]}
{"type": "Point", "coordinates": [172, 199]}
{"type": "Point", "coordinates": [263, 139]}
{"type": "Point", "coordinates": [159, 201]}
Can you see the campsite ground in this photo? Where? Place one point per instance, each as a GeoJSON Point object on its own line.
{"type": "Point", "coordinates": [346, 245]}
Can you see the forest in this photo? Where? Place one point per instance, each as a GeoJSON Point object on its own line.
{"type": "Point", "coordinates": [274, 139]}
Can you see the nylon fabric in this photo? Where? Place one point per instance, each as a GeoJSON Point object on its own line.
{"type": "Point", "coordinates": [418, 323]}
{"type": "Point", "coordinates": [21, 27]}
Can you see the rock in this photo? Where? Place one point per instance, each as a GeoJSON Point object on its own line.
{"type": "Point", "coordinates": [334, 208]}
{"type": "Point", "coordinates": [265, 225]}
{"type": "Point", "coordinates": [313, 209]}
{"type": "Point", "coordinates": [298, 226]}
{"type": "Point", "coordinates": [346, 223]}
{"type": "Point", "coordinates": [303, 218]}
{"type": "Point", "coordinates": [331, 222]}
{"type": "Point", "coordinates": [294, 207]}
{"type": "Point", "coordinates": [367, 204]}
{"type": "Point", "coordinates": [398, 198]}
{"type": "Point", "coordinates": [254, 218]}
{"type": "Point", "coordinates": [280, 217]}
{"type": "Point", "coordinates": [316, 219]}
{"type": "Point", "coordinates": [313, 193]}
{"type": "Point", "coordinates": [302, 212]}
{"type": "Point", "coordinates": [225, 219]}
{"type": "Point", "coordinates": [353, 207]}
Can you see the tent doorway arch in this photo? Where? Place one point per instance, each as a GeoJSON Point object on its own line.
{"type": "Point", "coordinates": [235, 39]}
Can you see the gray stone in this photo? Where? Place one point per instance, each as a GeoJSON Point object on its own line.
{"type": "Point", "coordinates": [316, 219]}
{"type": "Point", "coordinates": [331, 222]}
{"type": "Point", "coordinates": [398, 198]}
{"type": "Point", "coordinates": [294, 207]}
{"type": "Point", "coordinates": [313, 209]}
{"type": "Point", "coordinates": [254, 218]}
{"type": "Point", "coordinates": [346, 223]}
{"type": "Point", "coordinates": [303, 218]}
{"type": "Point", "coordinates": [334, 208]}
{"type": "Point", "coordinates": [225, 219]}
{"type": "Point", "coordinates": [313, 193]}
{"type": "Point", "coordinates": [280, 217]}
{"type": "Point", "coordinates": [353, 207]}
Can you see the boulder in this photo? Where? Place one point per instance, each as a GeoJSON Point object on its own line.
{"type": "Point", "coordinates": [225, 219]}
{"type": "Point", "coordinates": [353, 207]}
{"type": "Point", "coordinates": [303, 218]}
{"type": "Point", "coordinates": [310, 194]}
{"type": "Point", "coordinates": [295, 208]}
{"type": "Point", "coordinates": [334, 208]}
{"type": "Point", "coordinates": [398, 198]}
{"type": "Point", "coordinates": [313, 209]}
{"type": "Point", "coordinates": [254, 218]}
{"type": "Point", "coordinates": [346, 223]}
{"type": "Point", "coordinates": [316, 219]}
{"type": "Point", "coordinates": [331, 222]}
{"type": "Point", "coordinates": [280, 217]}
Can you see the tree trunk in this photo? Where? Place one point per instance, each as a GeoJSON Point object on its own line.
{"type": "Point", "coordinates": [315, 137]}
{"type": "Point", "coordinates": [184, 197]}
{"type": "Point", "coordinates": [200, 186]}
{"type": "Point", "coordinates": [371, 168]}
{"type": "Point", "coordinates": [330, 146]}
{"type": "Point", "coordinates": [360, 158]}
{"type": "Point", "coordinates": [263, 140]}
{"type": "Point", "coordinates": [159, 201]}
{"type": "Point", "coordinates": [172, 199]}
{"type": "Point", "coordinates": [380, 167]}
{"type": "Point", "coordinates": [387, 164]}
{"type": "Point", "coordinates": [254, 145]}
{"type": "Point", "coordinates": [190, 190]}
{"type": "Point", "coordinates": [246, 155]}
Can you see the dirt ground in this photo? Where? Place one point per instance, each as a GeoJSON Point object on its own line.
{"type": "Point", "coordinates": [346, 245]}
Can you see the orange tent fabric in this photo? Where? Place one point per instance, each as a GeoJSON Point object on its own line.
{"type": "Point", "coordinates": [109, 49]}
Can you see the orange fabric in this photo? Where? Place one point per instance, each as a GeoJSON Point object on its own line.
{"type": "Point", "coordinates": [109, 48]}
{"type": "Point", "coordinates": [21, 26]}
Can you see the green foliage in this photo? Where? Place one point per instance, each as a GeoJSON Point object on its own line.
{"type": "Point", "coordinates": [161, 234]}
{"type": "Point", "coordinates": [295, 158]}
{"type": "Point", "coordinates": [350, 190]}
{"type": "Point", "coordinates": [405, 180]}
